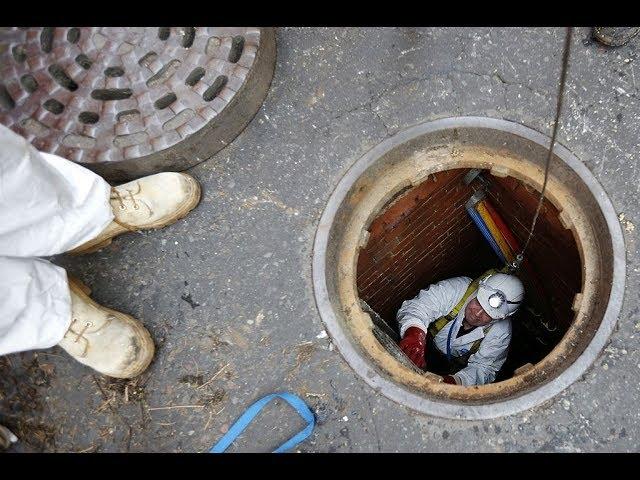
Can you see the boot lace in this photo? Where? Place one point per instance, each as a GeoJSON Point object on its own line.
{"type": "Point", "coordinates": [130, 195]}
{"type": "Point", "coordinates": [83, 326]}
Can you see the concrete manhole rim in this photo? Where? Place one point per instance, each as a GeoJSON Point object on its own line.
{"type": "Point", "coordinates": [405, 395]}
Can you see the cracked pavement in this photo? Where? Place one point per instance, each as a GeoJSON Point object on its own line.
{"type": "Point", "coordinates": [226, 293]}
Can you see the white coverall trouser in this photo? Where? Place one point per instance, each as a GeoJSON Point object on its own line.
{"type": "Point", "coordinates": [48, 205]}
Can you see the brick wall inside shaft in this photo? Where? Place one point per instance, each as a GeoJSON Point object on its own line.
{"type": "Point", "coordinates": [425, 235]}
{"type": "Point", "coordinates": [552, 251]}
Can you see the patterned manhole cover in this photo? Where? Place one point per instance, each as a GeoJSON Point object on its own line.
{"type": "Point", "coordinates": [127, 102]}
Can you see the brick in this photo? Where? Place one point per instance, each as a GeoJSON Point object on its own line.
{"type": "Point", "coordinates": [426, 235]}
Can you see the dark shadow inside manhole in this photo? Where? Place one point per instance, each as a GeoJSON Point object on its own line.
{"type": "Point", "coordinates": [425, 235]}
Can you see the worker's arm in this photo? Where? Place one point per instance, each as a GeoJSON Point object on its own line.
{"type": "Point", "coordinates": [485, 363]}
{"type": "Point", "coordinates": [432, 303]}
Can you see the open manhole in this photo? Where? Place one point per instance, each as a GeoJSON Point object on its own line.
{"type": "Point", "coordinates": [397, 222]}
{"type": "Point", "coordinates": [130, 101]}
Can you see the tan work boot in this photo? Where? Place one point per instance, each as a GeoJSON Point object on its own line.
{"type": "Point", "coordinates": [111, 342]}
{"type": "Point", "coordinates": [147, 203]}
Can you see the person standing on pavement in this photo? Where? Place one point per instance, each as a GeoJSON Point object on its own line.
{"type": "Point", "coordinates": [50, 205]}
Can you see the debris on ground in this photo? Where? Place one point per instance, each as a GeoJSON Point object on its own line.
{"type": "Point", "coordinates": [628, 225]}
{"type": "Point", "coordinates": [192, 380]}
{"type": "Point", "coordinates": [304, 352]}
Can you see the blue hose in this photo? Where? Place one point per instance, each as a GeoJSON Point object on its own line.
{"type": "Point", "coordinates": [485, 232]}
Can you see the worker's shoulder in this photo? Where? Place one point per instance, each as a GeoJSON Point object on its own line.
{"type": "Point", "coordinates": [451, 288]}
{"type": "Point", "coordinates": [459, 283]}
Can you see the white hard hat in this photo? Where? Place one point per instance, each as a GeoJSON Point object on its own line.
{"type": "Point", "coordinates": [500, 295]}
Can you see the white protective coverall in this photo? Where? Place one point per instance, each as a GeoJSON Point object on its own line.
{"type": "Point", "coordinates": [48, 205]}
{"type": "Point", "coordinates": [437, 301]}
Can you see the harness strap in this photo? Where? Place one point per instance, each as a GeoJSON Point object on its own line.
{"type": "Point", "coordinates": [439, 324]}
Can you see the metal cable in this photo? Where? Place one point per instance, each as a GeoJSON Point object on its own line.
{"type": "Point", "coordinates": [563, 77]}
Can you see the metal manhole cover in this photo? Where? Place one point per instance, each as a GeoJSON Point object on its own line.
{"type": "Point", "coordinates": [127, 102]}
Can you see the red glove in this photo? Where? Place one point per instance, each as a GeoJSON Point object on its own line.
{"type": "Point", "coordinates": [449, 379]}
{"type": "Point", "coordinates": [414, 344]}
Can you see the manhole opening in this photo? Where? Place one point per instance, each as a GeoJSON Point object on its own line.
{"type": "Point", "coordinates": [397, 222]}
{"type": "Point", "coordinates": [425, 235]}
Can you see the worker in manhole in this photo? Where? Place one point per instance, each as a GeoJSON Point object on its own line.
{"type": "Point", "coordinates": [461, 329]}
{"type": "Point", "coordinates": [50, 205]}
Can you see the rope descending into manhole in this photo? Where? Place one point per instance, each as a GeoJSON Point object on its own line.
{"type": "Point", "coordinates": [563, 76]}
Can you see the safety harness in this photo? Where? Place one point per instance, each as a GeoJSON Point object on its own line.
{"type": "Point", "coordinates": [435, 327]}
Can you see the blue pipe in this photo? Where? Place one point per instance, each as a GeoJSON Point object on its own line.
{"type": "Point", "coordinates": [473, 213]}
